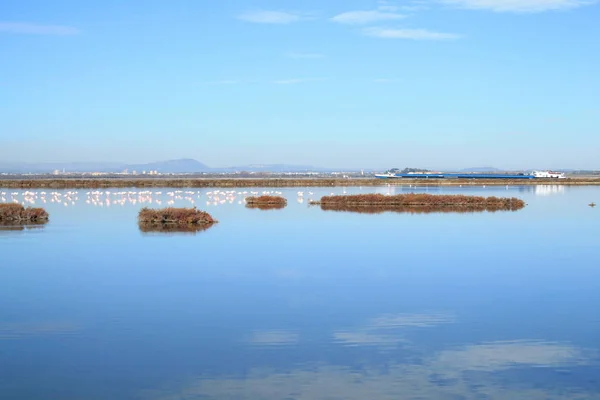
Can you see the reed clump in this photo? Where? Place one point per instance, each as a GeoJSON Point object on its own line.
{"type": "Point", "coordinates": [182, 217]}
{"type": "Point", "coordinates": [419, 202]}
{"type": "Point", "coordinates": [266, 202]}
{"type": "Point", "coordinates": [17, 214]}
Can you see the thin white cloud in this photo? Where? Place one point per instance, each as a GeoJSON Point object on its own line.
{"type": "Point", "coordinates": [270, 17]}
{"type": "Point", "coordinates": [413, 34]}
{"type": "Point", "coordinates": [519, 6]}
{"type": "Point", "coordinates": [412, 6]}
{"type": "Point", "coordinates": [296, 55]}
{"type": "Point", "coordinates": [24, 28]}
{"type": "Point", "coordinates": [295, 81]}
{"type": "Point", "coordinates": [384, 13]}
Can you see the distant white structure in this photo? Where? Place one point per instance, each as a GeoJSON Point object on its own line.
{"type": "Point", "coordinates": [549, 174]}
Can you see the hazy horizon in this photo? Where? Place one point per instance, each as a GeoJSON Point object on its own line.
{"type": "Point", "coordinates": [436, 84]}
{"type": "Point", "coordinates": [319, 167]}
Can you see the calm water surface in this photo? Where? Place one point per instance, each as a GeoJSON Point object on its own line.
{"type": "Point", "coordinates": [303, 304]}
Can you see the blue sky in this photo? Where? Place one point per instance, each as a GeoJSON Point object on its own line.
{"type": "Point", "coordinates": [352, 83]}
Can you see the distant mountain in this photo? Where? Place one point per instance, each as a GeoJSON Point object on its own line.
{"type": "Point", "coordinates": [171, 166]}
{"type": "Point", "coordinates": [43, 168]}
{"type": "Point", "coordinates": [272, 168]}
{"type": "Point", "coordinates": [185, 165]}
{"type": "Point", "coordinates": [481, 169]}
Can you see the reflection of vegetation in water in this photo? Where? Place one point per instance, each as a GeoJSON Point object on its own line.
{"type": "Point", "coordinates": [16, 213]}
{"type": "Point", "coordinates": [173, 228]}
{"type": "Point", "coordinates": [14, 226]}
{"type": "Point", "coordinates": [266, 206]}
{"type": "Point", "coordinates": [418, 203]}
{"type": "Point", "coordinates": [409, 209]}
{"type": "Point", "coordinates": [266, 202]}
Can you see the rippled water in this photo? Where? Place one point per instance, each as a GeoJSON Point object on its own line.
{"type": "Point", "coordinates": [302, 303]}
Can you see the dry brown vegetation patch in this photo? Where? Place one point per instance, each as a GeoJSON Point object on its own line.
{"type": "Point", "coordinates": [266, 202]}
{"type": "Point", "coordinates": [17, 214]}
{"type": "Point", "coordinates": [419, 203]}
{"type": "Point", "coordinates": [174, 217]}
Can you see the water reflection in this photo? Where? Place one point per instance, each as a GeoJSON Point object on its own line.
{"type": "Point", "coordinates": [8, 227]}
{"type": "Point", "coordinates": [502, 355]}
{"type": "Point", "coordinates": [266, 206]}
{"type": "Point", "coordinates": [549, 190]}
{"type": "Point", "coordinates": [413, 209]}
{"type": "Point", "coordinates": [311, 306]}
{"type": "Point", "coordinates": [389, 329]}
{"type": "Point", "coordinates": [410, 370]}
{"type": "Point", "coordinates": [469, 372]}
{"type": "Point", "coordinates": [159, 228]}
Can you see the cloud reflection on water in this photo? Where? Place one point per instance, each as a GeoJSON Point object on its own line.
{"type": "Point", "coordinates": [467, 372]}
{"type": "Point", "coordinates": [388, 329]}
{"type": "Point", "coordinates": [495, 356]}
{"type": "Point", "coordinates": [443, 375]}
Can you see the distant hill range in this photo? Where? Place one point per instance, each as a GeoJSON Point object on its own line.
{"type": "Point", "coordinates": [481, 169]}
{"type": "Point", "coordinates": [272, 168]}
{"type": "Point", "coordinates": [187, 165]}
{"type": "Point", "coordinates": [184, 165]}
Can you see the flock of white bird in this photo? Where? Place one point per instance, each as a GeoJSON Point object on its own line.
{"type": "Point", "coordinates": [107, 198]}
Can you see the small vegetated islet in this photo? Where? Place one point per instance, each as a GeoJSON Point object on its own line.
{"type": "Point", "coordinates": [174, 217]}
{"type": "Point", "coordinates": [18, 214]}
{"type": "Point", "coordinates": [418, 203]}
{"type": "Point", "coordinates": [266, 202]}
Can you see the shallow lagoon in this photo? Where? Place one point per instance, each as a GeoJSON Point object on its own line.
{"type": "Point", "coordinates": [302, 303]}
